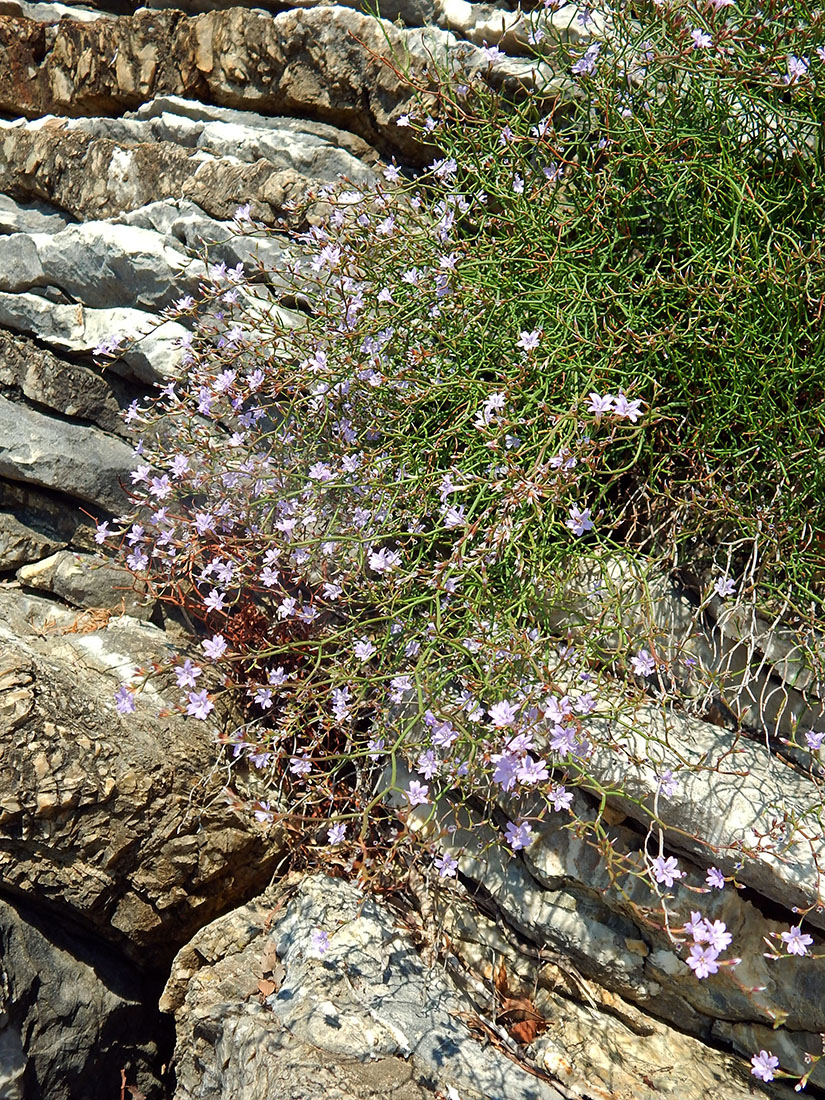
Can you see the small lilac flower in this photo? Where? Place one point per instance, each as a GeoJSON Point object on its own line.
{"type": "Point", "coordinates": [125, 700]}
{"type": "Point", "coordinates": [319, 941]}
{"type": "Point", "coordinates": [666, 870]}
{"type": "Point", "coordinates": [724, 586]}
{"type": "Point", "coordinates": [701, 39]}
{"type": "Point", "coordinates": [529, 341]}
{"type": "Point", "coordinates": [187, 674]}
{"type": "Point", "coordinates": [375, 746]}
{"type": "Point", "coordinates": [446, 865]}
{"type": "Point", "coordinates": [364, 649]}
{"type": "Point", "coordinates": [337, 833]}
{"type": "Point", "coordinates": [667, 784]}
{"type": "Point", "coordinates": [418, 793]}
{"type": "Point", "coordinates": [214, 647]}
{"type": "Point", "coordinates": [518, 836]}
{"type": "Point", "coordinates": [263, 813]}
{"type": "Point", "coordinates": [300, 765]}
{"type": "Point", "coordinates": [384, 560]}
{"type": "Point", "coordinates": [643, 664]}
{"type": "Point", "coordinates": [102, 532]}
{"type": "Point", "coordinates": [559, 798]}
{"type": "Point", "coordinates": [702, 960]}
{"type": "Point", "coordinates": [427, 764]}
{"type": "Point", "coordinates": [199, 704]}
{"type": "Point", "coordinates": [599, 405]}
{"type": "Point", "coordinates": [503, 713]}
{"type": "Point", "coordinates": [796, 941]}
{"type": "Point", "coordinates": [814, 740]}
{"type": "Point", "coordinates": [717, 935]}
{"type": "Point", "coordinates": [764, 1063]}
{"type": "Point", "coordinates": [715, 878]}
{"type": "Point", "coordinates": [797, 69]}
{"type": "Point", "coordinates": [627, 410]}
{"type": "Point", "coordinates": [580, 520]}
{"type": "Point", "coordinates": [215, 601]}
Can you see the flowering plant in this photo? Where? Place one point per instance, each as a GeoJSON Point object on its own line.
{"type": "Point", "coordinates": [384, 471]}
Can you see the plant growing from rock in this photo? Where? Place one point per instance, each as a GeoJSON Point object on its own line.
{"type": "Point", "coordinates": [425, 494]}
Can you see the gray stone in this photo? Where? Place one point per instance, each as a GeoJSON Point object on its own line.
{"type": "Point", "coordinates": [84, 581]}
{"type": "Point", "coordinates": [82, 462]}
{"type": "Point", "coordinates": [370, 1012]}
{"type": "Point", "coordinates": [68, 388]}
{"type": "Point", "coordinates": [33, 217]}
{"type": "Point", "coordinates": [71, 1013]}
{"type": "Point", "coordinates": [20, 543]}
{"type": "Point", "coordinates": [116, 822]}
{"type": "Point", "coordinates": [153, 356]}
{"type": "Point", "coordinates": [101, 264]}
{"type": "Point", "coordinates": [306, 153]}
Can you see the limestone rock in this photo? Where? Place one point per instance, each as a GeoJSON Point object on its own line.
{"type": "Point", "coordinates": [82, 462]}
{"type": "Point", "coordinates": [116, 822]}
{"type": "Point", "coordinates": [367, 1019]}
{"type": "Point", "coordinates": [99, 264]}
{"type": "Point", "coordinates": [153, 353]}
{"type": "Point", "coordinates": [98, 178]}
{"type": "Point", "coordinates": [322, 62]}
{"type": "Point", "coordinates": [20, 543]}
{"type": "Point", "coordinates": [70, 389]}
{"type": "Point", "coordinates": [83, 581]}
{"type": "Point", "coordinates": [34, 217]}
{"type": "Point", "coordinates": [52, 979]}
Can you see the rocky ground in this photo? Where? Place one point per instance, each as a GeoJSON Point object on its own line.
{"type": "Point", "coordinates": [147, 939]}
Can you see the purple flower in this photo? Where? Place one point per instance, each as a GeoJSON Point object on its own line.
{"type": "Point", "coordinates": [215, 601]}
{"type": "Point", "coordinates": [814, 740]}
{"type": "Point", "coordinates": [506, 770]}
{"type": "Point", "coordinates": [427, 764]}
{"type": "Point", "coordinates": [702, 960]}
{"type": "Point", "coordinates": [580, 520]}
{"type": "Point", "coordinates": [418, 793]}
{"type": "Point", "coordinates": [724, 586]}
{"type": "Point", "coordinates": [300, 765]}
{"type": "Point", "coordinates": [503, 713]}
{"type": "Point", "coordinates": [363, 649]}
{"type": "Point", "coordinates": [125, 700]}
{"type": "Point", "coordinates": [627, 410]}
{"type": "Point", "coordinates": [716, 934]}
{"type": "Point", "coordinates": [764, 1063]}
{"type": "Point", "coordinates": [199, 705]}
{"type": "Point", "coordinates": [214, 647]}
{"type": "Point", "coordinates": [263, 813]}
{"type": "Point", "coordinates": [446, 865]}
{"type": "Point", "coordinates": [337, 833]}
{"type": "Point", "coordinates": [715, 878]}
{"type": "Point", "coordinates": [518, 836]}
{"type": "Point", "coordinates": [667, 785]}
{"type": "Point", "coordinates": [559, 798]}
{"type": "Point", "coordinates": [187, 674]}
{"type": "Point", "coordinates": [102, 532]}
{"type": "Point", "coordinates": [529, 341]}
{"type": "Point", "coordinates": [797, 68]}
{"type": "Point", "coordinates": [319, 941]}
{"type": "Point", "coordinates": [796, 941]}
{"type": "Point", "coordinates": [643, 664]}
{"type": "Point", "coordinates": [666, 870]}
{"type": "Point", "coordinates": [701, 39]}
{"type": "Point", "coordinates": [532, 771]}
{"type": "Point", "coordinates": [601, 405]}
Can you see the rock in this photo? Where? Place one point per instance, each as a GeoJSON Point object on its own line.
{"type": "Point", "coordinates": [68, 388]}
{"type": "Point", "coordinates": [84, 581]}
{"type": "Point", "coordinates": [20, 543]}
{"type": "Point", "coordinates": [56, 517]}
{"type": "Point", "coordinates": [243, 138]}
{"type": "Point", "coordinates": [154, 355]}
{"type": "Point", "coordinates": [114, 822]}
{"type": "Point", "coordinates": [99, 264]}
{"type": "Point", "coordinates": [368, 1019]}
{"type": "Point", "coordinates": [82, 462]}
{"type": "Point", "coordinates": [98, 178]}
{"type": "Point", "coordinates": [34, 217]}
{"type": "Point", "coordinates": [323, 62]}
{"type": "Point", "coordinates": [51, 980]}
